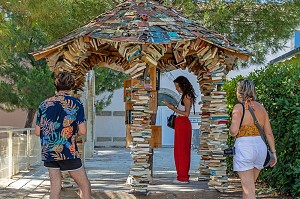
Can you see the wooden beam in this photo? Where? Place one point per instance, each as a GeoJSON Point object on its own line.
{"type": "Point", "coordinates": [44, 54]}
{"type": "Point", "coordinates": [239, 55]}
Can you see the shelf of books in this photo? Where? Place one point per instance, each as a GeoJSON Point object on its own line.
{"type": "Point", "coordinates": [214, 120]}
{"type": "Point", "coordinates": [141, 137]}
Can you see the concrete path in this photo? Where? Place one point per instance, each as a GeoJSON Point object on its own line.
{"type": "Point", "coordinates": [108, 171]}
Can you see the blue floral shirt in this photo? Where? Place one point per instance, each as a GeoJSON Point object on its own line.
{"type": "Point", "coordinates": [58, 118]}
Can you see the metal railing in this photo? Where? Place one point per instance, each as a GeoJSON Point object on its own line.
{"type": "Point", "coordinates": [19, 149]}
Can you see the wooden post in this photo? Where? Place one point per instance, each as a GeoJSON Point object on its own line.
{"type": "Point", "coordinates": [90, 115]}
{"type": "Point", "coordinates": [28, 148]}
{"type": "Point", "coordinates": [151, 162]}
{"type": "Point", "coordinates": [10, 154]}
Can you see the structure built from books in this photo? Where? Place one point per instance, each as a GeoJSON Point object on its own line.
{"type": "Point", "coordinates": [139, 37]}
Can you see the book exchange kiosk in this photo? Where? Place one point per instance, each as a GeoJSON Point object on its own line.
{"type": "Point", "coordinates": [143, 39]}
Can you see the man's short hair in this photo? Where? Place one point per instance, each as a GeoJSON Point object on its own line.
{"type": "Point", "coordinates": [64, 81]}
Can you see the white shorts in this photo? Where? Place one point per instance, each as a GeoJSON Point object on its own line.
{"type": "Point", "coordinates": [250, 152]}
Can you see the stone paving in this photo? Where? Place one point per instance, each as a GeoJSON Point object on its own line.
{"type": "Point", "coordinates": [108, 171]}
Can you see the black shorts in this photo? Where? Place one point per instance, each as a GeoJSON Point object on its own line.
{"type": "Point", "coordinates": [64, 165]}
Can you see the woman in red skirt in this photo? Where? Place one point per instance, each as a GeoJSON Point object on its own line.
{"type": "Point", "coordinates": [183, 128]}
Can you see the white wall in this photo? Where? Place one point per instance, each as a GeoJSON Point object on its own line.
{"type": "Point", "coordinates": [16, 118]}
{"type": "Point", "coordinates": [110, 127]}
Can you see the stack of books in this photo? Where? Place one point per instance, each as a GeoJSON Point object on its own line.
{"type": "Point", "coordinates": [214, 120]}
{"type": "Point", "coordinates": [151, 54]}
{"type": "Point", "coordinates": [136, 69]}
{"type": "Point", "coordinates": [141, 132]}
{"type": "Point", "coordinates": [217, 141]}
{"type": "Point", "coordinates": [207, 87]}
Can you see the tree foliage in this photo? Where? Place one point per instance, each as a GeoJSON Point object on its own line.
{"type": "Point", "coordinates": [114, 81]}
{"type": "Point", "coordinates": [278, 89]}
{"type": "Point", "coordinates": [59, 17]}
{"type": "Point", "coordinates": [29, 25]}
{"type": "Point", "coordinates": [260, 26]}
{"type": "Point", "coordinates": [24, 81]}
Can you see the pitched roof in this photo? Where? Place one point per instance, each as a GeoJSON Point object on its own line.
{"type": "Point", "coordinates": [139, 34]}
{"type": "Point", "coordinates": [145, 22]}
{"type": "Point", "coordinates": [289, 55]}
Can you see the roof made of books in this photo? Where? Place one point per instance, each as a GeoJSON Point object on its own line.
{"type": "Point", "coordinates": [147, 22]}
{"type": "Point", "coordinates": [138, 34]}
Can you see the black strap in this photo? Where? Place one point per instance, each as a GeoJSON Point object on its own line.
{"type": "Point", "coordinates": [242, 115]}
{"type": "Point", "coordinates": [194, 108]}
{"type": "Point", "coordinates": [176, 107]}
{"type": "Point", "coordinates": [260, 129]}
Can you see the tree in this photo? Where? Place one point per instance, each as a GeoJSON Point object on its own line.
{"type": "Point", "coordinates": [57, 18]}
{"type": "Point", "coordinates": [260, 26]}
{"type": "Point", "coordinates": [24, 81]}
{"type": "Point", "coordinates": [27, 26]}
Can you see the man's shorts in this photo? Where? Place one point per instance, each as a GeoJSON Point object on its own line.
{"type": "Point", "coordinates": [64, 165]}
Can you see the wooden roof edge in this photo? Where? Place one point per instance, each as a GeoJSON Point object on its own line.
{"type": "Point", "coordinates": [42, 53]}
{"type": "Point", "coordinates": [243, 56]}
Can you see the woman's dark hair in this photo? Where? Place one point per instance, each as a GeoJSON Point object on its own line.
{"type": "Point", "coordinates": [186, 87]}
{"type": "Point", "coordinates": [64, 81]}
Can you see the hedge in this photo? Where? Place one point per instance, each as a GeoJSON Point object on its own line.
{"type": "Point", "coordinates": [278, 89]}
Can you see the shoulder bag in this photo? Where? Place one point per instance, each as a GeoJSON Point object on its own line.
{"type": "Point", "coordinates": [270, 157]}
{"type": "Point", "coordinates": [171, 119]}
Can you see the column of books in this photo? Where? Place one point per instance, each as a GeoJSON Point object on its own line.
{"type": "Point", "coordinates": [141, 132]}
{"type": "Point", "coordinates": [214, 124]}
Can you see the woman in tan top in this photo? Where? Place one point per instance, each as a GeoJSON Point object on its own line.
{"type": "Point", "coordinates": [250, 149]}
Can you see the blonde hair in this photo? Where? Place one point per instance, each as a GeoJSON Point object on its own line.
{"type": "Point", "coordinates": [246, 89]}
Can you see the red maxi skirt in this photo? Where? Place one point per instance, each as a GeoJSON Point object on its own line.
{"type": "Point", "coordinates": [182, 147]}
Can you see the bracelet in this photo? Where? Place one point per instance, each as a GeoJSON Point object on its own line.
{"type": "Point", "coordinates": [273, 151]}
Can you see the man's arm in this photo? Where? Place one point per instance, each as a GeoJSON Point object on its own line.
{"type": "Point", "coordinates": [82, 129]}
{"type": "Point", "coordinates": [37, 130]}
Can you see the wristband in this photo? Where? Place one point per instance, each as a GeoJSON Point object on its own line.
{"type": "Point", "coordinates": [273, 151]}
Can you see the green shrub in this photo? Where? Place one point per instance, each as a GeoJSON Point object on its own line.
{"type": "Point", "coordinates": [278, 89]}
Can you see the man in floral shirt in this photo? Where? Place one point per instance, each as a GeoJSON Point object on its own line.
{"type": "Point", "coordinates": [58, 121]}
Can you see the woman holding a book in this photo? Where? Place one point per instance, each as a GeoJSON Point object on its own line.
{"type": "Point", "coordinates": [250, 149]}
{"type": "Point", "coordinates": [183, 128]}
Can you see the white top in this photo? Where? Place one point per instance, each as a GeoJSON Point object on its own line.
{"type": "Point", "coordinates": [180, 107]}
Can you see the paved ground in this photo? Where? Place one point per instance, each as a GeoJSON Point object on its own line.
{"type": "Point", "coordinates": [107, 171]}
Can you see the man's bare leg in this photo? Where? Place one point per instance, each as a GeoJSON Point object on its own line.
{"type": "Point", "coordinates": [83, 182]}
{"type": "Point", "coordinates": [55, 183]}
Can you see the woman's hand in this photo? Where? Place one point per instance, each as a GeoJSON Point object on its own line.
{"type": "Point", "coordinates": [274, 161]}
{"type": "Point", "coordinates": [170, 106]}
